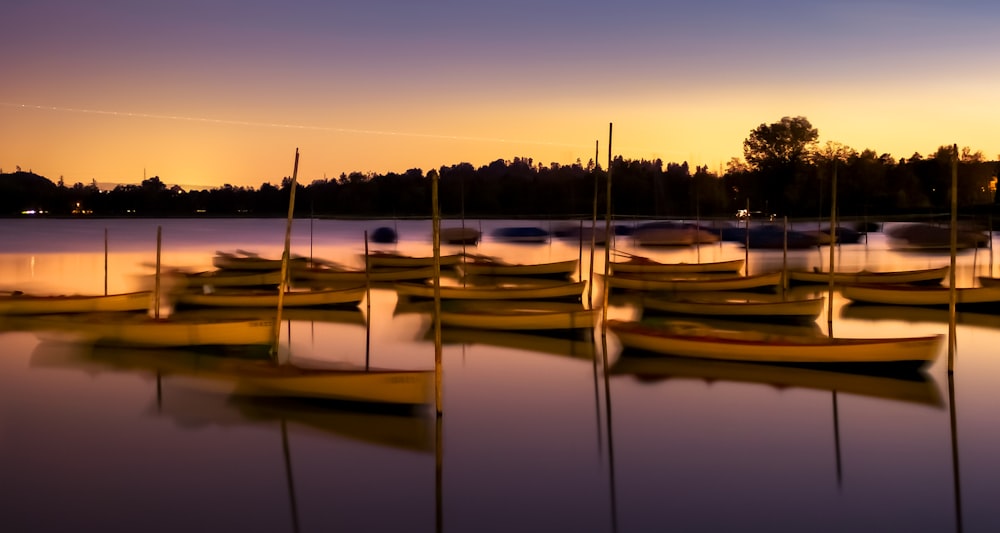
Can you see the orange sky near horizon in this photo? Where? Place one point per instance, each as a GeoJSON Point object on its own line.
{"type": "Point", "coordinates": [114, 92]}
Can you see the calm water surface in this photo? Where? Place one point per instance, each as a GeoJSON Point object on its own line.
{"type": "Point", "coordinates": [534, 436]}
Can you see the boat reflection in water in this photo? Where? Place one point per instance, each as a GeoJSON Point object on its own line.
{"type": "Point", "coordinates": [905, 385]}
{"type": "Point", "coordinates": [193, 402]}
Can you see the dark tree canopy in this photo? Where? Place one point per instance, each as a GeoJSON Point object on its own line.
{"type": "Point", "coordinates": [786, 142]}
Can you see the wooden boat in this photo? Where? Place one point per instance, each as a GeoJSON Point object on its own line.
{"type": "Point", "coordinates": [460, 235]}
{"type": "Point", "coordinates": [18, 303]}
{"type": "Point", "coordinates": [730, 283]}
{"type": "Point", "coordinates": [344, 275]}
{"type": "Point", "coordinates": [989, 281]}
{"type": "Point", "coordinates": [921, 295]}
{"type": "Point", "coordinates": [730, 304]}
{"type": "Point", "coordinates": [328, 315]}
{"type": "Point", "coordinates": [383, 386]}
{"type": "Point", "coordinates": [529, 316]}
{"type": "Point", "coordinates": [694, 340]}
{"type": "Point", "coordinates": [132, 329]}
{"type": "Point", "coordinates": [913, 386]}
{"type": "Point", "coordinates": [191, 402]}
{"type": "Point", "coordinates": [248, 261]}
{"type": "Point", "coordinates": [251, 298]}
{"type": "Point", "coordinates": [260, 377]}
{"type": "Point", "coordinates": [488, 266]}
{"type": "Point", "coordinates": [378, 259]}
{"type": "Point", "coordinates": [922, 276]}
{"type": "Point", "coordinates": [227, 278]}
{"type": "Point", "coordinates": [642, 265]}
{"type": "Point", "coordinates": [497, 292]}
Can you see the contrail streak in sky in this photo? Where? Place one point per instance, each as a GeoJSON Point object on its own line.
{"type": "Point", "coordinates": [129, 114]}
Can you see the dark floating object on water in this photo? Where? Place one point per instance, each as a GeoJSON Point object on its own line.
{"type": "Point", "coordinates": [384, 234]}
{"type": "Point", "coordinates": [521, 234]}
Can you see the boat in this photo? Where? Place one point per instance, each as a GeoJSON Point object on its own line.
{"type": "Point", "coordinates": [932, 237]}
{"type": "Point", "coordinates": [914, 386]}
{"type": "Point", "coordinates": [353, 316]}
{"type": "Point", "coordinates": [572, 290]}
{"type": "Point", "coordinates": [769, 237]}
{"type": "Point", "coordinates": [378, 259]}
{"type": "Point", "coordinates": [346, 275]}
{"type": "Point", "coordinates": [460, 235]}
{"type": "Point", "coordinates": [732, 304]}
{"type": "Point", "coordinates": [642, 265]}
{"type": "Point", "coordinates": [225, 278]}
{"type": "Point", "coordinates": [243, 260]}
{"type": "Point", "coordinates": [688, 339]}
{"type": "Point", "coordinates": [521, 234]}
{"type": "Point", "coordinates": [729, 283]}
{"type": "Point", "coordinates": [844, 235]}
{"type": "Point", "coordinates": [517, 315]}
{"type": "Point", "coordinates": [922, 295]}
{"type": "Point", "coordinates": [19, 303]}
{"type": "Point", "coordinates": [261, 377]}
{"type": "Point", "coordinates": [199, 403]}
{"type": "Point", "coordinates": [672, 234]}
{"type": "Point", "coordinates": [477, 265]}
{"type": "Point", "coordinates": [919, 276]}
{"type": "Point", "coordinates": [597, 233]}
{"type": "Point", "coordinates": [988, 281]}
{"type": "Point", "coordinates": [140, 330]}
{"type": "Point", "coordinates": [192, 407]}
{"type": "Point", "coordinates": [254, 298]}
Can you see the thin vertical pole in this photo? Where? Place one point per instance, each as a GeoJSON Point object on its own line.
{"type": "Point", "coordinates": [746, 248]}
{"type": "Point", "coordinates": [283, 284]}
{"type": "Point", "coordinates": [784, 256]}
{"type": "Point", "coordinates": [990, 219]}
{"type": "Point", "coordinates": [156, 285]}
{"type": "Point", "coordinates": [288, 475]}
{"type": "Point", "coordinates": [368, 280]}
{"type": "Point", "coordinates": [836, 440]}
{"type": "Point", "coordinates": [951, 272]}
{"type": "Point", "coordinates": [954, 451]}
{"type": "Point", "coordinates": [609, 242]}
{"type": "Point", "coordinates": [368, 308]}
{"type": "Point", "coordinates": [436, 227]}
{"type": "Point", "coordinates": [579, 259]}
{"type": "Point", "coordinates": [438, 474]}
{"type": "Point", "coordinates": [106, 261]}
{"type": "Point", "coordinates": [593, 233]}
{"type": "Point", "coordinates": [833, 244]}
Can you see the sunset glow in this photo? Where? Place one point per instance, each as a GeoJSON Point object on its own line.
{"type": "Point", "coordinates": [202, 96]}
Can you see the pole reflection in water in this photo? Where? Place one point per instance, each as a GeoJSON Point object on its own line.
{"type": "Point", "coordinates": [611, 441]}
{"type": "Point", "coordinates": [954, 452]}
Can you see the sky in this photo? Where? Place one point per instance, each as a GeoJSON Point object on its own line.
{"type": "Point", "coordinates": [211, 92]}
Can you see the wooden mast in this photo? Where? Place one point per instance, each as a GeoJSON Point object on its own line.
{"type": "Point", "coordinates": [283, 284]}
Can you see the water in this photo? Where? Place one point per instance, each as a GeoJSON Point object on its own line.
{"type": "Point", "coordinates": [532, 437]}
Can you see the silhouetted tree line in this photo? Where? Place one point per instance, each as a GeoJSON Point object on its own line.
{"type": "Point", "coordinates": [783, 172]}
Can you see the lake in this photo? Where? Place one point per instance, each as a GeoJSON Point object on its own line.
{"type": "Point", "coordinates": [534, 436]}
